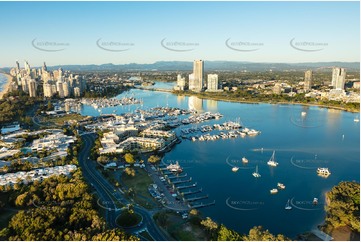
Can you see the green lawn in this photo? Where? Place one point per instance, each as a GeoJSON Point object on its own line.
{"type": "Point", "coordinates": [128, 219]}
{"type": "Point", "coordinates": [66, 117]}
{"type": "Point", "coordinates": [182, 230]}
{"type": "Point", "coordinates": [140, 183]}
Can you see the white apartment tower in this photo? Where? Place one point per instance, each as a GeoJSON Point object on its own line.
{"type": "Point", "coordinates": [198, 72]}
{"type": "Point", "coordinates": [32, 88]}
{"type": "Point", "coordinates": [338, 78]}
{"type": "Point", "coordinates": [308, 81]}
{"type": "Point", "coordinates": [212, 82]}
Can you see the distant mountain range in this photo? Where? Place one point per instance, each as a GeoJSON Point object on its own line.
{"type": "Point", "coordinates": [210, 65]}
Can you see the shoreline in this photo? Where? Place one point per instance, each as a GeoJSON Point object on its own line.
{"type": "Point", "coordinates": [275, 102]}
{"type": "Point", "coordinates": [252, 102]}
{"type": "Point", "coordinates": [6, 86]}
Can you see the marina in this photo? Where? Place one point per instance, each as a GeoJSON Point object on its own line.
{"type": "Point", "coordinates": [181, 181]}
{"type": "Point", "coordinates": [295, 154]}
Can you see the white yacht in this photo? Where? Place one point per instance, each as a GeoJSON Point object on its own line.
{"type": "Point", "coordinates": [252, 132]}
{"type": "Point", "coordinates": [323, 172]}
{"type": "Point", "coordinates": [272, 161]}
{"type": "Point", "coordinates": [281, 186]}
{"type": "Point", "coordinates": [274, 191]}
{"type": "Point", "coordinates": [256, 174]}
{"type": "Point", "coordinates": [244, 160]}
{"type": "Point", "coordinates": [303, 114]}
{"type": "Point", "coordinates": [235, 169]}
{"type": "Point", "coordinates": [174, 167]}
{"type": "Point", "coordinates": [356, 119]}
{"type": "Point", "coordinates": [288, 207]}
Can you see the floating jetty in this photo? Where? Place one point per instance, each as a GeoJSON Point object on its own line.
{"type": "Point", "coordinates": [180, 182]}
{"type": "Point", "coordinates": [174, 177]}
{"type": "Point", "coordinates": [196, 198]}
{"type": "Point", "coordinates": [188, 186]}
{"type": "Point", "coordinates": [184, 181]}
{"type": "Point", "coordinates": [201, 205]}
{"type": "Point", "coordinates": [191, 192]}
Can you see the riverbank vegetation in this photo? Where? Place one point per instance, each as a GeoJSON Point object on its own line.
{"type": "Point", "coordinates": [205, 229]}
{"type": "Point", "coordinates": [343, 208]}
{"type": "Point", "coordinates": [245, 96]}
{"type": "Point", "coordinates": [58, 208]}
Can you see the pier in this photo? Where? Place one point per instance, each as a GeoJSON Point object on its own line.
{"type": "Point", "coordinates": [184, 181]}
{"type": "Point", "coordinates": [180, 176]}
{"type": "Point", "coordinates": [196, 198]}
{"type": "Point", "coordinates": [201, 205]}
{"type": "Point", "coordinates": [188, 186]}
{"type": "Point", "coordinates": [191, 192]}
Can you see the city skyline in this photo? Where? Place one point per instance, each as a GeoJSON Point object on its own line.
{"type": "Point", "coordinates": [232, 31]}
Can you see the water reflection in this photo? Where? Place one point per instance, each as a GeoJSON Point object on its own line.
{"type": "Point", "coordinates": [333, 118]}
{"type": "Point", "coordinates": [212, 105]}
{"type": "Point", "coordinates": [195, 103]}
{"type": "Point", "coordinates": [180, 99]}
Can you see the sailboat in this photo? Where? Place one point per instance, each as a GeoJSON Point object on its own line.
{"type": "Point", "coordinates": [272, 161]}
{"type": "Point", "coordinates": [256, 174]}
{"type": "Point", "coordinates": [288, 207]}
{"type": "Point", "coordinates": [356, 119]}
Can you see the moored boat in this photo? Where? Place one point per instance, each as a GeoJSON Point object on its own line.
{"type": "Point", "coordinates": [256, 174]}
{"type": "Point", "coordinates": [272, 161]}
{"type": "Point", "coordinates": [288, 207]}
{"type": "Point", "coordinates": [281, 186]}
{"type": "Point", "coordinates": [274, 191]}
{"type": "Point", "coordinates": [244, 160]}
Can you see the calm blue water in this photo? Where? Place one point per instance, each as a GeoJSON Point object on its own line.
{"type": "Point", "coordinates": [3, 81]}
{"type": "Point", "coordinates": [324, 138]}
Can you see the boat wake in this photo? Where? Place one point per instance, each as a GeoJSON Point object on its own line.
{"type": "Point", "coordinates": [302, 125]}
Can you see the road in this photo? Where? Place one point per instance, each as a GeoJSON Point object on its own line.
{"type": "Point", "coordinates": [111, 197]}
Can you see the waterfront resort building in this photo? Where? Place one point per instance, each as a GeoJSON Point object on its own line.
{"type": "Point", "coordinates": [168, 136]}
{"type": "Point", "coordinates": [141, 144]}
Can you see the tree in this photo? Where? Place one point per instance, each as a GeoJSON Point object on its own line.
{"type": "Point", "coordinates": [153, 159]}
{"type": "Point", "coordinates": [103, 159]}
{"type": "Point", "coordinates": [343, 207]}
{"type": "Point", "coordinates": [129, 158]}
{"type": "Point", "coordinates": [259, 234]}
{"type": "Point", "coordinates": [193, 212]}
{"type": "Point", "coordinates": [114, 235]}
{"type": "Point", "coordinates": [129, 171]}
{"type": "Point", "coordinates": [209, 224]}
{"type": "Point", "coordinates": [225, 234]}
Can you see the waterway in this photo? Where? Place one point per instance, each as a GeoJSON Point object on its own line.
{"type": "Point", "coordinates": [3, 81]}
{"type": "Point", "coordinates": [323, 138]}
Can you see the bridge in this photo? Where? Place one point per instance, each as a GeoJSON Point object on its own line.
{"type": "Point", "coordinates": [153, 89]}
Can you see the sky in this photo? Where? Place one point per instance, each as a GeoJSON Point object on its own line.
{"type": "Point", "coordinates": [62, 33]}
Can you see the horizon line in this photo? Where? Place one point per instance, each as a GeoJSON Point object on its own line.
{"type": "Point", "coordinates": [129, 63]}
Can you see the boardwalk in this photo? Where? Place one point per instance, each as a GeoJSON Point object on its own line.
{"type": "Point", "coordinates": [320, 234]}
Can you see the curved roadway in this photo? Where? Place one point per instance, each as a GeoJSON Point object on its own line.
{"type": "Point", "coordinates": [110, 196]}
